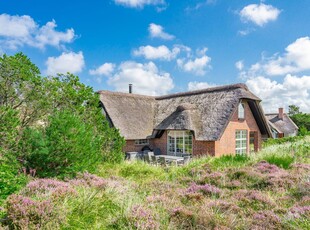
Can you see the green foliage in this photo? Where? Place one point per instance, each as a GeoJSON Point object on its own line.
{"type": "Point", "coordinates": [283, 140]}
{"type": "Point", "coordinates": [229, 161]}
{"type": "Point", "coordinates": [293, 110]}
{"type": "Point", "coordinates": [281, 160]}
{"type": "Point", "coordinates": [302, 120]}
{"type": "Point", "coordinates": [9, 123]}
{"type": "Point", "coordinates": [66, 146]}
{"type": "Point", "coordinates": [10, 178]}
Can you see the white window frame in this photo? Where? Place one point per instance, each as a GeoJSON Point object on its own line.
{"type": "Point", "coordinates": [142, 142]}
{"type": "Point", "coordinates": [241, 111]}
{"type": "Point", "coordinates": [241, 136]}
{"type": "Point", "coordinates": [186, 134]}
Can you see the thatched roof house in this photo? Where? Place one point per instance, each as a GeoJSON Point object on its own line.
{"type": "Point", "coordinates": [281, 124]}
{"type": "Point", "coordinates": [200, 122]}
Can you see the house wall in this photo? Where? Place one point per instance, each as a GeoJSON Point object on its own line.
{"type": "Point", "coordinates": [226, 144]}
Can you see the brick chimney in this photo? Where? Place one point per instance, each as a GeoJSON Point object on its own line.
{"type": "Point", "coordinates": [130, 88]}
{"type": "Point", "coordinates": [280, 115]}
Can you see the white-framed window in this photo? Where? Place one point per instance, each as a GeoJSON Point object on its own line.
{"type": "Point", "coordinates": [179, 142]}
{"type": "Point", "coordinates": [241, 111]}
{"type": "Point", "coordinates": [142, 142]}
{"type": "Point", "coordinates": [241, 141]}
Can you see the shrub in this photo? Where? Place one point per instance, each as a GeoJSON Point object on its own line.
{"type": "Point", "coordinates": [10, 178]}
{"type": "Point", "coordinates": [66, 146]}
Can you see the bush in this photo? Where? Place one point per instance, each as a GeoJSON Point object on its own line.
{"type": "Point", "coordinates": [10, 179]}
{"type": "Point", "coordinates": [66, 146]}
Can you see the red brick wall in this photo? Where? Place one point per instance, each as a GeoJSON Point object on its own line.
{"type": "Point", "coordinates": [203, 148]}
{"type": "Point", "coordinates": [227, 144]}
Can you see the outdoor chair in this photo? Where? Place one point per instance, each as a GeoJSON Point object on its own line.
{"type": "Point", "coordinates": [162, 161]}
{"type": "Point", "coordinates": [186, 160]}
{"type": "Point", "coordinates": [154, 160]}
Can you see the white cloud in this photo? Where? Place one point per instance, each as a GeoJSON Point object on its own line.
{"type": "Point", "coordinates": [157, 31]}
{"type": "Point", "coordinates": [139, 3]}
{"type": "Point", "coordinates": [239, 65]}
{"type": "Point", "coordinates": [160, 52]}
{"type": "Point", "coordinates": [294, 60]}
{"type": "Point", "coordinates": [66, 62]}
{"type": "Point", "coordinates": [146, 79]}
{"type": "Point", "coordinates": [105, 69]}
{"type": "Point", "coordinates": [198, 65]}
{"type": "Point", "coordinates": [199, 85]}
{"type": "Point", "coordinates": [292, 91]}
{"type": "Point", "coordinates": [259, 14]}
{"type": "Point", "coordinates": [17, 31]}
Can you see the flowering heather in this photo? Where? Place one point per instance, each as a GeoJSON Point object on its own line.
{"type": "Point", "coordinates": [206, 189]}
{"type": "Point", "coordinates": [266, 220]}
{"type": "Point", "coordinates": [25, 213]}
{"type": "Point", "coordinates": [253, 199]}
{"type": "Point", "coordinates": [45, 187]}
{"type": "Point", "coordinates": [182, 217]}
{"type": "Point", "coordinates": [302, 167]}
{"type": "Point", "coordinates": [157, 199]}
{"type": "Point", "coordinates": [214, 178]}
{"type": "Point", "coordinates": [90, 180]}
{"type": "Point", "coordinates": [223, 206]}
{"type": "Point", "coordinates": [265, 167]}
{"type": "Point", "coordinates": [143, 218]}
{"type": "Point", "coordinates": [300, 211]}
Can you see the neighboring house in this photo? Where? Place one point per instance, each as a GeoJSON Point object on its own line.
{"type": "Point", "coordinates": [213, 121]}
{"type": "Point", "coordinates": [281, 125]}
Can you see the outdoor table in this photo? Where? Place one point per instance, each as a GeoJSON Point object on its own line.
{"type": "Point", "coordinates": [170, 158]}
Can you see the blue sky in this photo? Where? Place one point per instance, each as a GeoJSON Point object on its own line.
{"type": "Point", "coordinates": [167, 46]}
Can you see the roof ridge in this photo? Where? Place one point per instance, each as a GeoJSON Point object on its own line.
{"type": "Point", "coordinates": [206, 90]}
{"type": "Point", "coordinates": [125, 94]}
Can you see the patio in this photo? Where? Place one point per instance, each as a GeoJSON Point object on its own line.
{"type": "Point", "coordinates": [162, 160]}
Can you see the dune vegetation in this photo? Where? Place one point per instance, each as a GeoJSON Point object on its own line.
{"type": "Point", "coordinates": [267, 190]}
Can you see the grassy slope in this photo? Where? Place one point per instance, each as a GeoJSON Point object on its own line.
{"type": "Point", "coordinates": [227, 193]}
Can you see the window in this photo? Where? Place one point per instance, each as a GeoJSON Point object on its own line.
{"type": "Point", "coordinates": [241, 111]}
{"type": "Point", "coordinates": [142, 142]}
{"type": "Point", "coordinates": [241, 141]}
{"type": "Point", "coordinates": [180, 142]}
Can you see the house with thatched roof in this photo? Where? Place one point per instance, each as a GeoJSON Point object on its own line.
{"type": "Point", "coordinates": [281, 124]}
{"type": "Point", "coordinates": [214, 121]}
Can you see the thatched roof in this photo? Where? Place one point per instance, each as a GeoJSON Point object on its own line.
{"type": "Point", "coordinates": [206, 112]}
{"type": "Point", "coordinates": [285, 125]}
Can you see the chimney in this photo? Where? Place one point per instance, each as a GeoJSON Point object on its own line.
{"type": "Point", "coordinates": [280, 113]}
{"type": "Point", "coordinates": [130, 88]}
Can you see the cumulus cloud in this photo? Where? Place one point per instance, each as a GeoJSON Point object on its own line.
{"type": "Point", "coordinates": [295, 59]}
{"type": "Point", "coordinates": [146, 79]}
{"type": "Point", "coordinates": [199, 85]}
{"type": "Point", "coordinates": [259, 14]}
{"type": "Point", "coordinates": [157, 31]}
{"type": "Point", "coordinates": [160, 52]}
{"type": "Point", "coordinates": [139, 3]}
{"type": "Point", "coordinates": [17, 31]}
{"type": "Point", "coordinates": [197, 65]}
{"type": "Point", "coordinates": [66, 62]}
{"type": "Point", "coordinates": [293, 90]}
{"type": "Point", "coordinates": [105, 69]}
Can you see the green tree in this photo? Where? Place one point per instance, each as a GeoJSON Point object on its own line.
{"type": "Point", "coordinates": [293, 110]}
{"type": "Point", "coordinates": [21, 89]}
